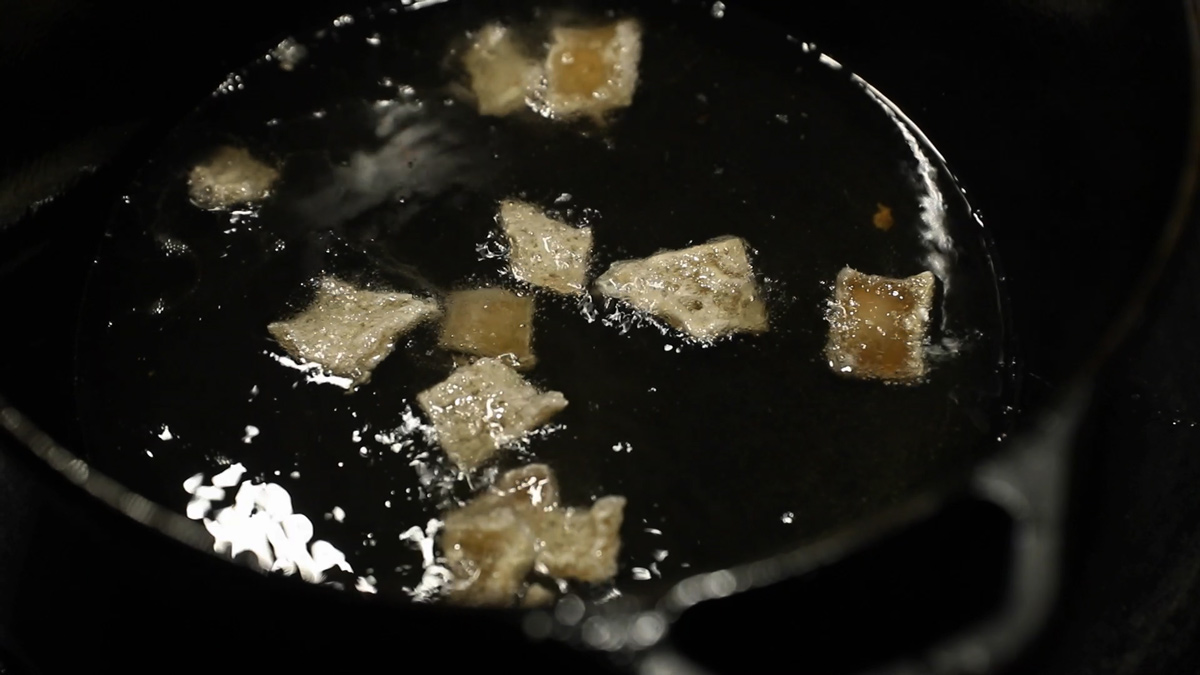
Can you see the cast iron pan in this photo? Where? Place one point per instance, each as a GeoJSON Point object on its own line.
{"type": "Point", "coordinates": [741, 451]}
{"type": "Point", "coordinates": [713, 445]}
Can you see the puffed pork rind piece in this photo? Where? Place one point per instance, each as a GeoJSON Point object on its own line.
{"type": "Point", "coordinates": [228, 178]}
{"type": "Point", "coordinates": [518, 526]}
{"type": "Point", "coordinates": [348, 330]}
{"type": "Point", "coordinates": [877, 326]}
{"type": "Point", "coordinates": [592, 70]}
{"type": "Point", "coordinates": [502, 75]}
{"type": "Point", "coordinates": [544, 252]}
{"type": "Point", "coordinates": [484, 406]}
{"type": "Point", "coordinates": [706, 291]}
{"type": "Point", "coordinates": [489, 552]}
{"type": "Point", "coordinates": [581, 544]}
{"type": "Point", "coordinates": [492, 322]}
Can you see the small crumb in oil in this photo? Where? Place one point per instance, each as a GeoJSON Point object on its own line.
{"type": "Point", "coordinates": [787, 518]}
{"type": "Point", "coordinates": [883, 217]}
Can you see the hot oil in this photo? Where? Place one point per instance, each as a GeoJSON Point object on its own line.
{"type": "Point", "coordinates": [727, 452]}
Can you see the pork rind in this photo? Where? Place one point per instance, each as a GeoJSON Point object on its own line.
{"type": "Point", "coordinates": [490, 322]}
{"type": "Point", "coordinates": [706, 291]}
{"type": "Point", "coordinates": [518, 526]}
{"type": "Point", "coordinates": [545, 252]}
{"type": "Point", "coordinates": [587, 71]}
{"type": "Point", "coordinates": [591, 71]}
{"type": "Point", "coordinates": [228, 178]}
{"type": "Point", "coordinates": [877, 326]}
{"type": "Point", "coordinates": [348, 330]}
{"type": "Point", "coordinates": [484, 406]}
{"type": "Point", "coordinates": [502, 75]}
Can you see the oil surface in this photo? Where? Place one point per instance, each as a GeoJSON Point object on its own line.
{"type": "Point", "coordinates": [726, 453]}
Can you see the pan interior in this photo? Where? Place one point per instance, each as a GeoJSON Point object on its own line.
{"type": "Point", "coordinates": [726, 453]}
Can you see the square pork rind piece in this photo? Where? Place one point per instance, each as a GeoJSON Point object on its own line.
{"type": "Point", "coordinates": [490, 544]}
{"type": "Point", "coordinates": [502, 75]}
{"type": "Point", "coordinates": [706, 291]}
{"type": "Point", "coordinates": [489, 551]}
{"type": "Point", "coordinates": [490, 322]}
{"type": "Point", "coordinates": [349, 331]}
{"type": "Point", "coordinates": [590, 71]}
{"type": "Point", "coordinates": [518, 526]}
{"type": "Point", "coordinates": [581, 544]}
{"type": "Point", "coordinates": [228, 178]}
{"type": "Point", "coordinates": [483, 407]}
{"type": "Point", "coordinates": [877, 326]}
{"type": "Point", "coordinates": [545, 252]}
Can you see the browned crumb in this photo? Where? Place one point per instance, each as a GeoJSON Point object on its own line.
{"type": "Point", "coordinates": [883, 217]}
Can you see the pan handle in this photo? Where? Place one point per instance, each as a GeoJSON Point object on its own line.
{"type": "Point", "coordinates": [1029, 483]}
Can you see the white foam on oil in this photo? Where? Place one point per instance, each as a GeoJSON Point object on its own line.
{"type": "Point", "coordinates": [366, 585]}
{"type": "Point", "coordinates": [436, 477]}
{"type": "Point", "coordinates": [436, 575]}
{"type": "Point", "coordinates": [412, 429]}
{"type": "Point", "coordinates": [228, 478]}
{"type": "Point", "coordinates": [829, 61]}
{"type": "Point", "coordinates": [251, 433]}
{"type": "Point", "coordinates": [313, 372]}
{"type": "Point", "coordinates": [261, 521]}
